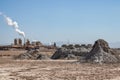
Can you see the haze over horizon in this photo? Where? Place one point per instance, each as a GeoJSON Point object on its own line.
{"type": "Point", "coordinates": [77, 21]}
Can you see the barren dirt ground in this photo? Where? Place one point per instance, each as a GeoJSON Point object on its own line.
{"type": "Point", "coordinates": [56, 70]}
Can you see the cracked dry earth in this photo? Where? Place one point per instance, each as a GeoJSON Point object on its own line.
{"type": "Point", "coordinates": [57, 70]}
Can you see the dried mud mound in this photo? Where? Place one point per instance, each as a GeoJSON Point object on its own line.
{"type": "Point", "coordinates": [102, 53]}
{"type": "Point", "coordinates": [70, 52]}
{"type": "Point", "coordinates": [32, 55]}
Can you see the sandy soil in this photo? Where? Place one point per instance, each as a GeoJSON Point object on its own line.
{"type": "Point", "coordinates": [11, 53]}
{"type": "Point", "coordinates": [56, 70]}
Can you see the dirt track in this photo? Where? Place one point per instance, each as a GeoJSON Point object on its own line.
{"type": "Point", "coordinates": [56, 70]}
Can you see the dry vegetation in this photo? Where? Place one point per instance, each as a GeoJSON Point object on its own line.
{"type": "Point", "coordinates": [56, 70]}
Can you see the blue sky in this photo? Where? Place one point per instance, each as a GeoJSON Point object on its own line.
{"type": "Point", "coordinates": [79, 21]}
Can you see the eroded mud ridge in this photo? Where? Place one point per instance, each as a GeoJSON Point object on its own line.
{"type": "Point", "coordinates": [99, 53]}
{"type": "Point", "coordinates": [102, 53]}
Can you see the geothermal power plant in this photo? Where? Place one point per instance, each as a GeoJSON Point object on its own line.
{"type": "Point", "coordinates": [25, 45]}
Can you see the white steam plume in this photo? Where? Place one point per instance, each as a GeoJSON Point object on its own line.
{"type": "Point", "coordinates": [14, 24]}
{"type": "Point", "coordinates": [20, 32]}
{"type": "Point", "coordinates": [11, 23]}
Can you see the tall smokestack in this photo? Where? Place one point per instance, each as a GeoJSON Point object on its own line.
{"type": "Point", "coordinates": [24, 42]}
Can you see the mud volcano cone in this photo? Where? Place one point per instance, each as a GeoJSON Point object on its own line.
{"type": "Point", "coordinates": [101, 53]}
